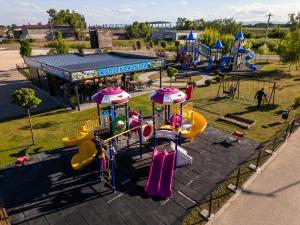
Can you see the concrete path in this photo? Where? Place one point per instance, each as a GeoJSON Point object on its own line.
{"type": "Point", "coordinates": [166, 80]}
{"type": "Point", "coordinates": [274, 195]}
{"type": "Point", "coordinates": [11, 80]}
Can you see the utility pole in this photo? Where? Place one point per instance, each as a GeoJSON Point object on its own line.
{"type": "Point", "coordinates": [51, 26]}
{"type": "Point", "coordinates": [268, 25]}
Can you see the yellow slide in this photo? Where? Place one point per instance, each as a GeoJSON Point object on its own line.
{"type": "Point", "coordinates": [86, 154]}
{"type": "Point", "coordinates": [198, 123]}
{"type": "Point", "coordinates": [83, 133]}
{"type": "Point", "coordinates": [83, 140]}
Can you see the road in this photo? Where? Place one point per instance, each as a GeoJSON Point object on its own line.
{"type": "Point", "coordinates": [273, 197]}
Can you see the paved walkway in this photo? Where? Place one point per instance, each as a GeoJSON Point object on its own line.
{"type": "Point", "coordinates": [273, 197]}
{"type": "Point", "coordinates": [166, 80]}
{"type": "Point", "coordinates": [11, 80]}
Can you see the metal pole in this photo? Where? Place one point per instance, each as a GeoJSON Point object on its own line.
{"type": "Point", "coordinates": [127, 124]}
{"type": "Point", "coordinates": [98, 113]}
{"type": "Point", "coordinates": [258, 158]}
{"type": "Point", "coordinates": [210, 204]}
{"type": "Point", "coordinates": [112, 166]}
{"type": "Point", "coordinates": [160, 76]}
{"type": "Point", "coordinates": [141, 135]}
{"type": "Point", "coordinates": [180, 112]}
{"type": "Point", "coordinates": [154, 125]}
{"type": "Point", "coordinates": [176, 150]}
{"type": "Point", "coordinates": [97, 143]}
{"type": "Point", "coordinates": [77, 96]}
{"type": "Point", "coordinates": [238, 178]}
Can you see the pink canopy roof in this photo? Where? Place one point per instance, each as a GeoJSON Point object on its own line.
{"type": "Point", "coordinates": [111, 96]}
{"type": "Point", "coordinates": [167, 96]}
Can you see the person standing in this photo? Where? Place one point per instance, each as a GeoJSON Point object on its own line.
{"type": "Point", "coordinates": [259, 96]}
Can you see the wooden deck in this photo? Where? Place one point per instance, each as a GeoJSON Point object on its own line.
{"type": "Point", "coordinates": [47, 191]}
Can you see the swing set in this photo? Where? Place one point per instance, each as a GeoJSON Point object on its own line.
{"type": "Point", "coordinates": [245, 88]}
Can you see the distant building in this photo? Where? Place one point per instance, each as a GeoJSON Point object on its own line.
{"type": "Point", "coordinates": [172, 35]}
{"type": "Point", "coordinates": [43, 32]}
{"type": "Point", "coordinates": [100, 38]}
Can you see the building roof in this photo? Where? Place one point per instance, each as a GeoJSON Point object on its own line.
{"type": "Point", "coordinates": [218, 45]}
{"type": "Point", "coordinates": [77, 63]}
{"type": "Point", "coordinates": [239, 36]}
{"type": "Point", "coordinates": [191, 36]}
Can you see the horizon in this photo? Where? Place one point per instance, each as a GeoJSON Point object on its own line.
{"type": "Point", "coordinates": [125, 12]}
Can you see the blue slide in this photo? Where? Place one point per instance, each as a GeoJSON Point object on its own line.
{"type": "Point", "coordinates": [250, 55]}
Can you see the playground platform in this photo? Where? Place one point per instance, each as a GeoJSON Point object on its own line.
{"type": "Point", "coordinates": [47, 191]}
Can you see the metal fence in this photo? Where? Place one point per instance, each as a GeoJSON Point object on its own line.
{"type": "Point", "coordinates": [228, 187]}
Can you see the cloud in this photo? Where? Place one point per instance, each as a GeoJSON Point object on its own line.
{"type": "Point", "coordinates": [258, 10]}
{"type": "Point", "coordinates": [27, 5]}
{"type": "Point", "coordinates": [127, 11]}
{"type": "Point", "coordinates": [183, 2]}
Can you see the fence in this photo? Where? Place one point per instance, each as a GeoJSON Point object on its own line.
{"type": "Point", "coordinates": [227, 187]}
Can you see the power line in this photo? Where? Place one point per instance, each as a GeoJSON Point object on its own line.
{"type": "Point", "coordinates": [268, 25]}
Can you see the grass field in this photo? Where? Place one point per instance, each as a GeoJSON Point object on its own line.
{"type": "Point", "coordinates": [50, 127]}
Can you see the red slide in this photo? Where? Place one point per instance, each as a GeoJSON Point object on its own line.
{"type": "Point", "coordinates": [152, 184]}
{"type": "Point", "coordinates": [165, 187]}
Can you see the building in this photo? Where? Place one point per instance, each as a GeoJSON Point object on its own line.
{"type": "Point", "coordinates": [172, 35]}
{"type": "Point", "coordinates": [70, 75]}
{"type": "Point", "coordinates": [43, 32]}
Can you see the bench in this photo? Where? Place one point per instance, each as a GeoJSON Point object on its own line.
{"type": "Point", "coordinates": [182, 75]}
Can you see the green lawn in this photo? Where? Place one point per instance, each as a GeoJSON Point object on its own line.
{"type": "Point", "coordinates": [50, 127]}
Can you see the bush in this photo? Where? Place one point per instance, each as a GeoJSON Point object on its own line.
{"type": "Point", "coordinates": [151, 44]}
{"type": "Point", "coordinates": [163, 44]}
{"type": "Point", "coordinates": [138, 44]}
{"type": "Point", "coordinates": [207, 83]}
{"type": "Point", "coordinates": [297, 101]}
{"type": "Point", "coordinates": [217, 79]}
{"type": "Point", "coordinates": [193, 83]}
{"type": "Point", "coordinates": [73, 101]}
{"type": "Point", "coordinates": [177, 44]}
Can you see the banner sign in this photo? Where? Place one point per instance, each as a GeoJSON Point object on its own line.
{"type": "Point", "coordinates": [85, 74]}
{"type": "Point", "coordinates": [129, 68]}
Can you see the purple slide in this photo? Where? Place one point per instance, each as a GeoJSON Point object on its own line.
{"type": "Point", "coordinates": [165, 187]}
{"type": "Point", "coordinates": [153, 181]}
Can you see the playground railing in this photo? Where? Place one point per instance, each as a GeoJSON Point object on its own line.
{"type": "Point", "coordinates": [225, 189]}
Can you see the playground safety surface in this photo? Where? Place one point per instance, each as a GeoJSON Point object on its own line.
{"type": "Point", "coordinates": [47, 191]}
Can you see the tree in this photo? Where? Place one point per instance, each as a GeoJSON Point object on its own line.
{"type": "Point", "coordinates": [263, 49]}
{"type": "Point", "coordinates": [26, 99]}
{"type": "Point", "coordinates": [25, 48]}
{"type": "Point", "coordinates": [60, 46]}
{"type": "Point", "coordinates": [139, 30]}
{"type": "Point", "coordinates": [209, 37]}
{"type": "Point", "coordinates": [72, 18]}
{"type": "Point", "coordinates": [171, 73]}
{"type": "Point", "coordinates": [227, 40]}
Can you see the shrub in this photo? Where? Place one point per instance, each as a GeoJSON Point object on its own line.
{"type": "Point", "coordinates": [177, 44]}
{"type": "Point", "coordinates": [163, 44]}
{"type": "Point", "coordinates": [297, 101]}
{"type": "Point", "coordinates": [217, 79]}
{"type": "Point", "coordinates": [151, 44]}
{"type": "Point", "coordinates": [193, 83]}
{"type": "Point", "coordinates": [207, 83]}
{"type": "Point", "coordinates": [138, 44]}
{"type": "Point", "coordinates": [73, 101]}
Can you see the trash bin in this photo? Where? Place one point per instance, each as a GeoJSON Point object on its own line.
{"type": "Point", "coordinates": [285, 114]}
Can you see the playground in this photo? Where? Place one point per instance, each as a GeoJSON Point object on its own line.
{"type": "Point", "coordinates": [150, 159]}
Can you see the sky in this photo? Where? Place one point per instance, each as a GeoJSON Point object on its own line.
{"type": "Point", "coordinates": [126, 11]}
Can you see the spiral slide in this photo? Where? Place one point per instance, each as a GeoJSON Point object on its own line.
{"type": "Point", "coordinates": [86, 154]}
{"type": "Point", "coordinates": [250, 55]}
{"type": "Point", "coordinates": [198, 124]}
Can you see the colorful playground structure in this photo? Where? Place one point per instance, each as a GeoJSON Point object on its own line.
{"type": "Point", "coordinates": [194, 48]}
{"type": "Point", "coordinates": [101, 138]}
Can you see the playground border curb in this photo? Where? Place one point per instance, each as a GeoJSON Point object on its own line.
{"type": "Point", "coordinates": [246, 184]}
